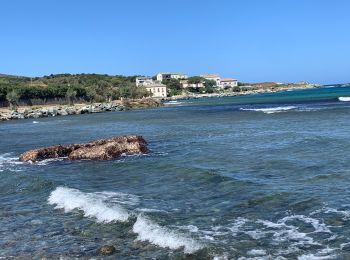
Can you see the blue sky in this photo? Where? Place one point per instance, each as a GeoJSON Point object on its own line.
{"type": "Point", "coordinates": [252, 40]}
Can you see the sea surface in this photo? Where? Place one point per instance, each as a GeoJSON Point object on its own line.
{"type": "Point", "coordinates": [264, 176]}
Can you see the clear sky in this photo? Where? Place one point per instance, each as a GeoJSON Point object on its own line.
{"type": "Point", "coordinates": [252, 40]}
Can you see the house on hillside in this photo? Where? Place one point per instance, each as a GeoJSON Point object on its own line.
{"type": "Point", "coordinates": [158, 90]}
{"type": "Point", "coordinates": [228, 83]}
{"type": "Point", "coordinates": [168, 75]}
{"type": "Point", "coordinates": [221, 82]}
{"type": "Point", "coordinates": [184, 83]}
{"type": "Point", "coordinates": [144, 81]}
{"type": "Point", "coordinates": [214, 77]}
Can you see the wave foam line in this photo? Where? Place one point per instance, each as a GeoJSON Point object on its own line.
{"type": "Point", "coordinates": [270, 110]}
{"type": "Point", "coordinates": [94, 205]}
{"type": "Point", "coordinates": [91, 204]}
{"type": "Point", "coordinates": [344, 99]}
{"type": "Point", "coordinates": [163, 237]}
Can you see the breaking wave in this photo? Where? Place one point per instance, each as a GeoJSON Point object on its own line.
{"type": "Point", "coordinates": [105, 207]}
{"type": "Point", "coordinates": [270, 110]}
{"type": "Point", "coordinates": [344, 99]}
{"type": "Point", "coordinates": [291, 234]}
{"type": "Point", "coordinates": [164, 237]}
{"type": "Point", "coordinates": [92, 204]}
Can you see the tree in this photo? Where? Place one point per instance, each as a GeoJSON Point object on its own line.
{"type": "Point", "coordinates": [108, 94]}
{"type": "Point", "coordinates": [13, 97]}
{"type": "Point", "coordinates": [3, 92]}
{"type": "Point", "coordinates": [90, 94]}
{"type": "Point", "coordinates": [208, 83]}
{"type": "Point", "coordinates": [195, 80]}
{"type": "Point", "coordinates": [71, 95]}
{"type": "Point", "coordinates": [174, 86]}
{"type": "Point", "coordinates": [236, 89]}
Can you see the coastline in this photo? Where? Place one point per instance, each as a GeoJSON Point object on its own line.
{"type": "Point", "coordinates": [33, 112]}
{"type": "Point", "coordinates": [242, 93]}
{"type": "Point", "coordinates": [27, 112]}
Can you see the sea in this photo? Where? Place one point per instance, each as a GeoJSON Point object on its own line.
{"type": "Point", "coordinates": [264, 176]}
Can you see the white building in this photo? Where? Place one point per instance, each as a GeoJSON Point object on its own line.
{"type": "Point", "coordinates": [214, 77]}
{"type": "Point", "coordinates": [168, 75]}
{"type": "Point", "coordinates": [158, 90]}
{"type": "Point", "coordinates": [144, 81]}
{"type": "Point", "coordinates": [185, 84]}
{"type": "Point", "coordinates": [228, 83]}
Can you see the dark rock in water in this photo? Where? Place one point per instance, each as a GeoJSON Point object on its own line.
{"type": "Point", "coordinates": [107, 250]}
{"type": "Point", "coordinates": [104, 149]}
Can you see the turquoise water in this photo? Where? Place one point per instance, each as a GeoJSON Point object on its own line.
{"type": "Point", "coordinates": [252, 177]}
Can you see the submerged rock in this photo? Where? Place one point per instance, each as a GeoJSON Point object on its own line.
{"type": "Point", "coordinates": [104, 149]}
{"type": "Point", "coordinates": [107, 250]}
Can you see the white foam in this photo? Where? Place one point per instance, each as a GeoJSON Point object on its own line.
{"type": "Point", "coordinates": [162, 236]}
{"type": "Point", "coordinates": [236, 226]}
{"type": "Point", "coordinates": [344, 99]}
{"type": "Point", "coordinates": [256, 234]}
{"type": "Point", "coordinates": [173, 102]}
{"type": "Point", "coordinates": [119, 197]}
{"type": "Point", "coordinates": [270, 224]}
{"type": "Point", "coordinates": [221, 257]}
{"type": "Point", "coordinates": [327, 210]}
{"type": "Point", "coordinates": [270, 110]}
{"type": "Point", "coordinates": [256, 252]}
{"type": "Point", "coordinates": [95, 205]}
{"type": "Point", "coordinates": [35, 122]}
{"type": "Point", "coordinates": [91, 204]}
{"type": "Point", "coordinates": [47, 161]}
{"type": "Point", "coordinates": [317, 225]}
{"type": "Point", "coordinates": [286, 232]}
{"type": "Point", "coordinates": [190, 228]}
{"type": "Point", "coordinates": [8, 162]}
{"type": "Point", "coordinates": [317, 256]}
{"type": "Point", "coordinates": [150, 210]}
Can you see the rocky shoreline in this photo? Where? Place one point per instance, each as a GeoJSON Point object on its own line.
{"type": "Point", "coordinates": [77, 109]}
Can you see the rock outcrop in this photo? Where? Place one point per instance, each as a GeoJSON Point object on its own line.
{"type": "Point", "coordinates": [107, 250]}
{"type": "Point", "coordinates": [104, 149]}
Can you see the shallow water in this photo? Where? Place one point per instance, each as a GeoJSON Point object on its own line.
{"type": "Point", "coordinates": [263, 176]}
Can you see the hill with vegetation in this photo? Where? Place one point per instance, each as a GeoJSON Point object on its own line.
{"type": "Point", "coordinates": [85, 87]}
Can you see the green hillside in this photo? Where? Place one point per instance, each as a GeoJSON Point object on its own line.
{"type": "Point", "coordinates": [90, 87]}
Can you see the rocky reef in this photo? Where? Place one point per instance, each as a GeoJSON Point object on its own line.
{"type": "Point", "coordinates": [104, 149]}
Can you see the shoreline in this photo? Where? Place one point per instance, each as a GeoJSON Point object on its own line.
{"type": "Point", "coordinates": [33, 112]}
{"type": "Point", "coordinates": [243, 93]}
